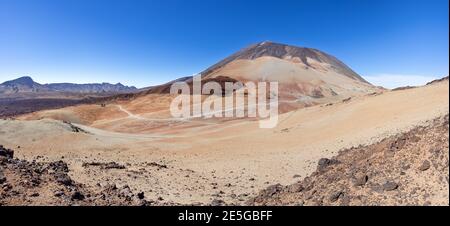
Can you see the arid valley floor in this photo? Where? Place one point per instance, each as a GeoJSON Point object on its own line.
{"type": "Point", "coordinates": [125, 152]}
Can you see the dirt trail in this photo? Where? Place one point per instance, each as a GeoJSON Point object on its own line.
{"type": "Point", "coordinates": [138, 117]}
{"type": "Point", "coordinates": [185, 120]}
{"type": "Point", "coordinates": [110, 134]}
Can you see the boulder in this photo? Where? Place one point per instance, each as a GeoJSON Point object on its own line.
{"type": "Point", "coordinates": [390, 186]}
{"type": "Point", "coordinates": [425, 165]}
{"type": "Point", "coordinates": [8, 153]}
{"type": "Point", "coordinates": [360, 179]}
{"type": "Point", "coordinates": [324, 163]}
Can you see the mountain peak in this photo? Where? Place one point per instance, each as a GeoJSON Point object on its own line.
{"type": "Point", "coordinates": [283, 51]}
{"type": "Point", "coordinates": [25, 80]}
{"type": "Point", "coordinates": [267, 42]}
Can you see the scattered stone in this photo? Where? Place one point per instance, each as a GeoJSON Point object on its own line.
{"type": "Point", "coordinates": [272, 190]}
{"type": "Point", "coordinates": [217, 202]}
{"type": "Point", "coordinates": [324, 163]}
{"type": "Point", "coordinates": [6, 187]}
{"type": "Point", "coordinates": [361, 180]}
{"type": "Point", "coordinates": [397, 144]}
{"type": "Point", "coordinates": [297, 187]}
{"type": "Point", "coordinates": [126, 191]}
{"type": "Point", "coordinates": [77, 196]}
{"type": "Point", "coordinates": [109, 165]}
{"type": "Point", "coordinates": [8, 153]}
{"type": "Point", "coordinates": [58, 193]}
{"type": "Point", "coordinates": [74, 128]}
{"type": "Point", "coordinates": [110, 187]}
{"type": "Point", "coordinates": [2, 177]}
{"type": "Point", "coordinates": [335, 196]}
{"type": "Point", "coordinates": [425, 165]}
{"type": "Point", "coordinates": [59, 166]}
{"type": "Point", "coordinates": [63, 179]}
{"type": "Point", "coordinates": [390, 186]}
{"type": "Point", "coordinates": [140, 195]}
{"type": "Point", "coordinates": [154, 164]}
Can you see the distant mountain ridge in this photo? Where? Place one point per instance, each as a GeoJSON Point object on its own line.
{"type": "Point", "coordinates": [28, 85]}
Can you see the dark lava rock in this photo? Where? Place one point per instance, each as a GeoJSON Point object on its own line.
{"type": "Point", "coordinates": [159, 166]}
{"type": "Point", "coordinates": [63, 179]}
{"type": "Point", "coordinates": [77, 196]}
{"type": "Point", "coordinates": [272, 190]}
{"type": "Point", "coordinates": [58, 193]}
{"type": "Point", "coordinates": [217, 202]}
{"type": "Point", "coordinates": [335, 196]}
{"type": "Point", "coordinates": [2, 177]}
{"type": "Point", "coordinates": [126, 191]}
{"type": "Point", "coordinates": [114, 165]}
{"type": "Point", "coordinates": [110, 187]}
{"type": "Point", "coordinates": [3, 160]}
{"type": "Point", "coordinates": [297, 187]}
{"type": "Point", "coordinates": [324, 163]}
{"type": "Point", "coordinates": [109, 165]}
{"type": "Point", "coordinates": [425, 166]}
{"type": "Point", "coordinates": [7, 187]}
{"type": "Point", "coordinates": [346, 100]}
{"type": "Point", "coordinates": [390, 186]}
{"type": "Point", "coordinates": [59, 166]}
{"type": "Point", "coordinates": [360, 180]}
{"type": "Point", "coordinates": [8, 153]}
{"type": "Point", "coordinates": [397, 144]}
{"type": "Point", "coordinates": [74, 128]}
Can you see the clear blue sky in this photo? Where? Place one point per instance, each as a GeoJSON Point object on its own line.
{"type": "Point", "coordinates": [149, 42]}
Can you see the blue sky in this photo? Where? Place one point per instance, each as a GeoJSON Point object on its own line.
{"type": "Point", "coordinates": [149, 42]}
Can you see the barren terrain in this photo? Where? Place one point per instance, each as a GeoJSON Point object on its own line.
{"type": "Point", "coordinates": [204, 161]}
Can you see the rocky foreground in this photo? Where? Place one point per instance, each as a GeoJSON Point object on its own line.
{"type": "Point", "coordinates": [407, 169]}
{"type": "Point", "coordinates": [40, 183]}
